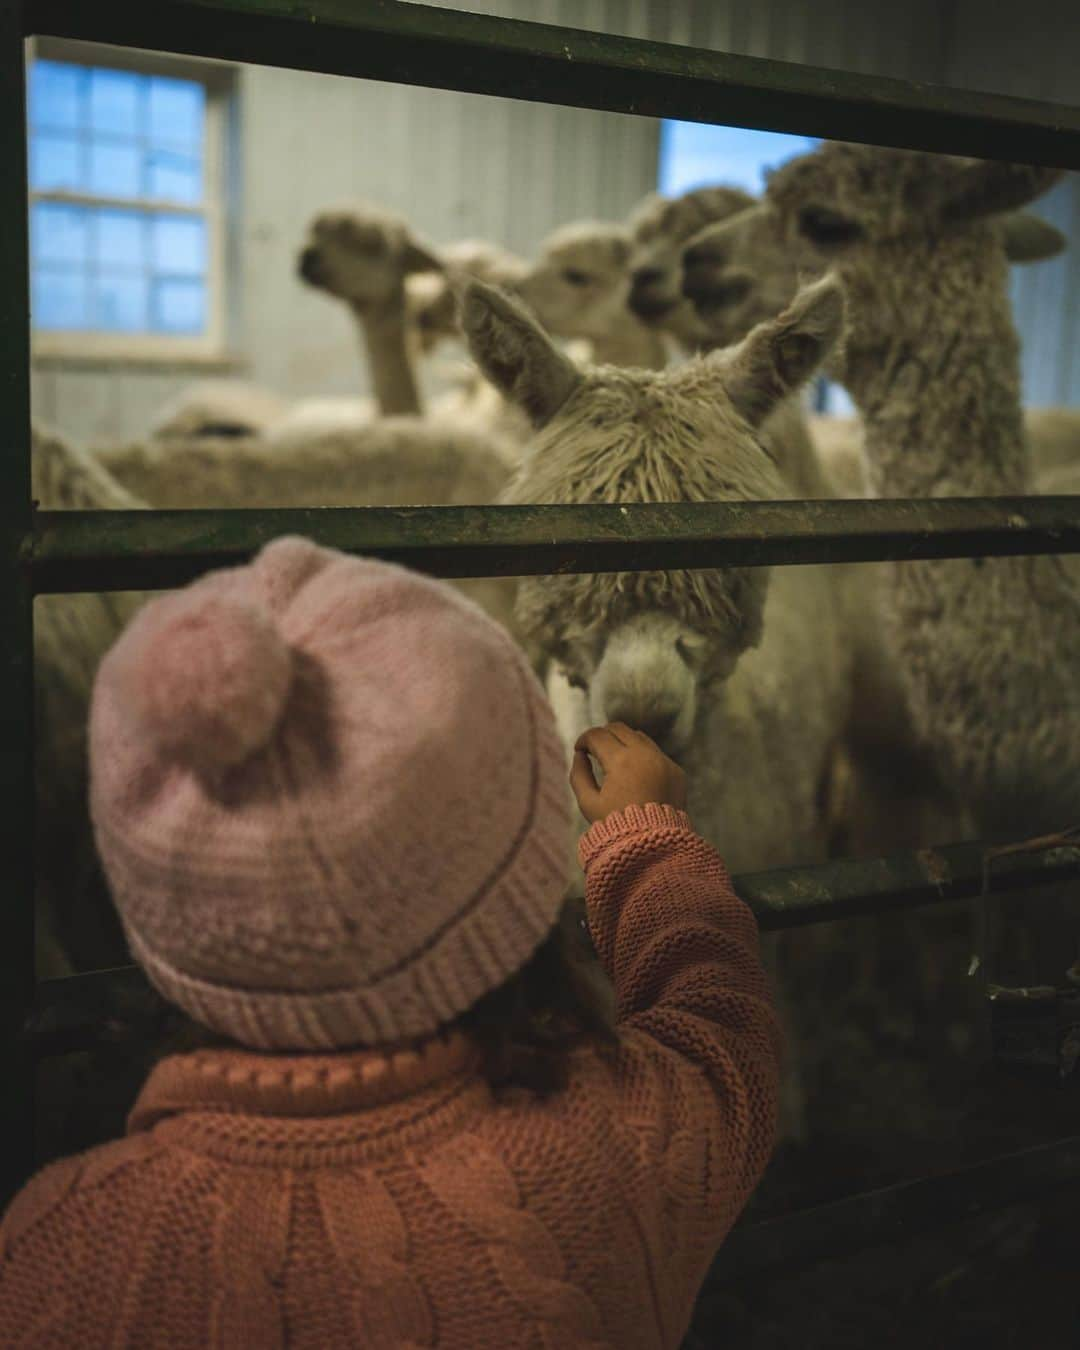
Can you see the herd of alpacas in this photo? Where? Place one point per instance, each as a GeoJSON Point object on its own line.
{"type": "Point", "coordinates": [817, 710]}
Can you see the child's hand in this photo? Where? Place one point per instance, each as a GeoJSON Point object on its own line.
{"type": "Point", "coordinates": [636, 771]}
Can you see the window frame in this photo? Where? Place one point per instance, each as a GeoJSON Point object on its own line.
{"type": "Point", "coordinates": [210, 348]}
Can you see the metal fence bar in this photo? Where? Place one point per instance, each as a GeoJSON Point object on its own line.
{"type": "Point", "coordinates": [416, 44]}
{"type": "Point", "coordinates": [72, 1013]}
{"type": "Point", "coordinates": [147, 550]}
{"type": "Point", "coordinates": [894, 1213]}
{"type": "Point", "coordinates": [16, 665]}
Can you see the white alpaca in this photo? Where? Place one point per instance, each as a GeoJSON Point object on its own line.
{"type": "Point", "coordinates": [368, 257]}
{"type": "Point", "coordinates": [218, 408]}
{"type": "Point", "coordinates": [76, 924]}
{"type": "Point", "coordinates": [579, 287]}
{"type": "Point", "coordinates": [659, 227]}
{"type": "Point", "coordinates": [392, 461]}
{"type": "Point", "coordinates": [688, 656]}
{"type": "Point", "coordinates": [430, 297]}
{"type": "Point", "coordinates": [362, 255]}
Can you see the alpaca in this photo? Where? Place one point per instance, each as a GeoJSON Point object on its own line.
{"type": "Point", "coordinates": [393, 461]}
{"type": "Point", "coordinates": [218, 408]}
{"type": "Point", "coordinates": [740, 270]}
{"type": "Point", "coordinates": [578, 287]}
{"type": "Point", "coordinates": [735, 272]}
{"type": "Point", "coordinates": [986, 648]}
{"type": "Point", "coordinates": [429, 296]}
{"type": "Point", "coordinates": [76, 924]}
{"type": "Point", "coordinates": [687, 656]}
{"type": "Point", "coordinates": [659, 226]}
{"type": "Point", "coordinates": [363, 256]}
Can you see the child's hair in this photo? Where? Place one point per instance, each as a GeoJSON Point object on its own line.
{"type": "Point", "coordinates": [524, 1028]}
{"type": "Point", "coordinates": [556, 1000]}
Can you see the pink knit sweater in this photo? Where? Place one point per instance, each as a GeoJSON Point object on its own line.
{"type": "Point", "coordinates": [357, 1199]}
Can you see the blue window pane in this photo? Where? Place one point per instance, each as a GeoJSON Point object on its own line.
{"type": "Point", "coordinates": [114, 101]}
{"type": "Point", "coordinates": [120, 240]}
{"type": "Point", "coordinates": [59, 234]}
{"type": "Point", "coordinates": [175, 112]}
{"type": "Point", "coordinates": [693, 155]}
{"type": "Point", "coordinates": [178, 245]}
{"type": "Point", "coordinates": [56, 95]}
{"type": "Point", "coordinates": [58, 299]}
{"type": "Point", "coordinates": [120, 303]}
{"type": "Point", "coordinates": [56, 162]}
{"type": "Point", "coordinates": [115, 170]}
{"type": "Point", "coordinates": [179, 307]}
{"type": "Point", "coordinates": [173, 176]}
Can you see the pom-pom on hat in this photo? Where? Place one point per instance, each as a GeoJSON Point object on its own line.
{"type": "Point", "coordinates": [330, 800]}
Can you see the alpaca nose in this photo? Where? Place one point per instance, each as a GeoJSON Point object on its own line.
{"type": "Point", "coordinates": [648, 276]}
{"type": "Point", "coordinates": [308, 265]}
{"type": "Point", "coordinates": [659, 728]}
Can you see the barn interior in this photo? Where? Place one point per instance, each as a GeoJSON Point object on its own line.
{"type": "Point", "coordinates": [245, 288]}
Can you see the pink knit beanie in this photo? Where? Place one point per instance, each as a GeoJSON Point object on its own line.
{"type": "Point", "coordinates": [330, 800]}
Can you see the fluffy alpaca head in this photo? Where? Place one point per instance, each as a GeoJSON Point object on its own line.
{"type": "Point", "coordinates": [919, 240]}
{"type": "Point", "coordinates": [659, 227]}
{"type": "Point", "coordinates": [362, 254]}
{"type": "Point", "coordinates": [740, 270]}
{"type": "Point", "coordinates": [643, 643]}
{"type": "Point", "coordinates": [429, 296]}
{"type": "Point", "coordinates": [580, 283]}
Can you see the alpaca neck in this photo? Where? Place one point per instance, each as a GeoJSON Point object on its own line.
{"type": "Point", "coordinates": [393, 378]}
{"type": "Point", "coordinates": [941, 408]}
{"type": "Point", "coordinates": [633, 345]}
{"type": "Point", "coordinates": [788, 437]}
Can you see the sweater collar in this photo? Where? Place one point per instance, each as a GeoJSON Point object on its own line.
{"type": "Point", "coordinates": [254, 1083]}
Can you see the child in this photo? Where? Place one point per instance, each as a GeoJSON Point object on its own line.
{"type": "Point", "coordinates": [331, 805]}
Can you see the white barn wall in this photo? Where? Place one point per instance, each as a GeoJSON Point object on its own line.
{"type": "Point", "coordinates": [455, 165]}
{"type": "Point", "coordinates": [1033, 51]}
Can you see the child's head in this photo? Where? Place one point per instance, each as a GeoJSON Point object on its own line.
{"type": "Point", "coordinates": [330, 801]}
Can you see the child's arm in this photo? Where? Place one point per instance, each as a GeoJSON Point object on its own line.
{"type": "Point", "coordinates": [682, 950]}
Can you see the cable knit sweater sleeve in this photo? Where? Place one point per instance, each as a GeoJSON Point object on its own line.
{"type": "Point", "coordinates": [700, 1066]}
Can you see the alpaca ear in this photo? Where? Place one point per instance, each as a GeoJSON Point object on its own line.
{"type": "Point", "coordinates": [417, 258]}
{"type": "Point", "coordinates": [987, 187]}
{"type": "Point", "coordinates": [1029, 238]}
{"type": "Point", "coordinates": [515, 353]}
{"type": "Point", "coordinates": [778, 356]}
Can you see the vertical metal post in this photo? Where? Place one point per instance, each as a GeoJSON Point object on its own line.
{"type": "Point", "coordinates": [16, 617]}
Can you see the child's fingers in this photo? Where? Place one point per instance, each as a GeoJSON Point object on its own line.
{"type": "Point", "coordinates": [583, 782]}
{"type": "Point", "coordinates": [600, 742]}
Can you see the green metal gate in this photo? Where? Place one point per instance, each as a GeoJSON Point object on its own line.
{"type": "Point", "coordinates": [92, 551]}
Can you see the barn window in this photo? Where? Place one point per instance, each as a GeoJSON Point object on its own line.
{"type": "Point", "coordinates": [126, 170]}
{"type": "Point", "coordinates": [694, 154]}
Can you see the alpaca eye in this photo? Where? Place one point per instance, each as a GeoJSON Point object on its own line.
{"type": "Point", "coordinates": [828, 229]}
{"type": "Point", "coordinates": [574, 277]}
{"type": "Point", "coordinates": [576, 682]}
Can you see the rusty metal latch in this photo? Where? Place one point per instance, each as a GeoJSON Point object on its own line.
{"type": "Point", "coordinates": [1036, 1028]}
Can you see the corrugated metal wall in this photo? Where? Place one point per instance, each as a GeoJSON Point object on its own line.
{"type": "Point", "coordinates": [456, 165]}
{"type": "Point", "coordinates": [1033, 51]}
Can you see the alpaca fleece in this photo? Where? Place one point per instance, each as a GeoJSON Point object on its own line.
{"type": "Point", "coordinates": [987, 649]}
{"type": "Point", "coordinates": [390, 1201]}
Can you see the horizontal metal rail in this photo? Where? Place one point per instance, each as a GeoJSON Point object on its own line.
{"type": "Point", "coordinates": [77, 1012]}
{"type": "Point", "coordinates": [416, 44]}
{"type": "Point", "coordinates": [148, 550]}
{"type": "Point", "coordinates": [898, 1213]}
